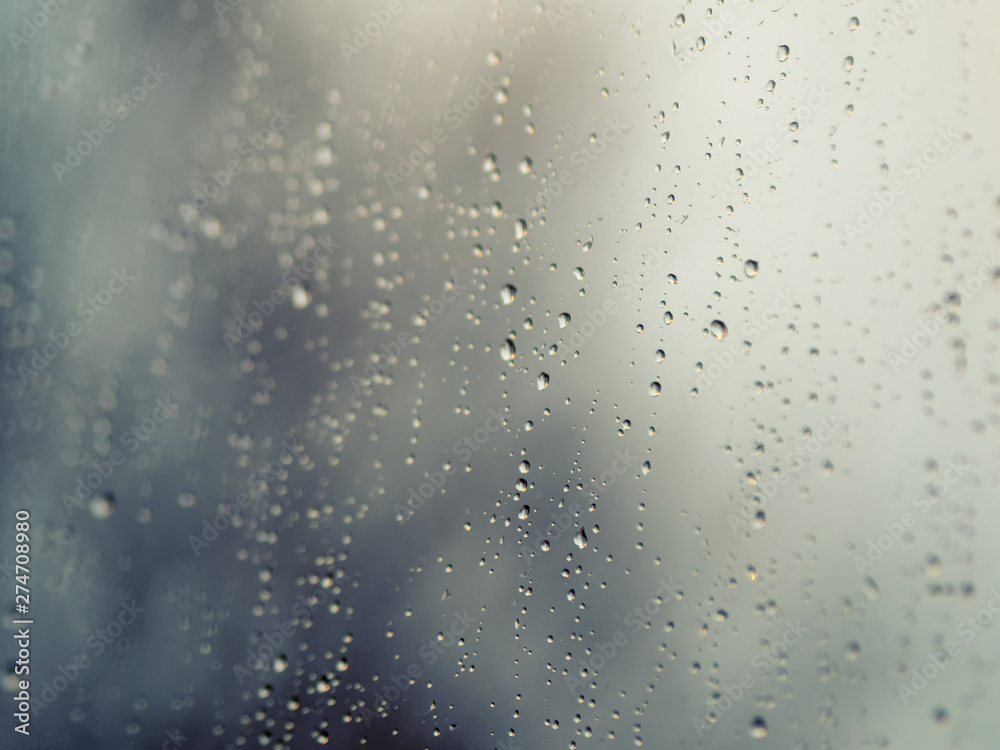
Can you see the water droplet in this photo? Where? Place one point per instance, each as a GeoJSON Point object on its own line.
{"type": "Point", "coordinates": [654, 388]}
{"type": "Point", "coordinates": [580, 538]}
{"type": "Point", "coordinates": [660, 356]}
{"type": "Point", "coordinates": [523, 515]}
{"type": "Point", "coordinates": [758, 728]}
{"type": "Point", "coordinates": [525, 165]}
{"type": "Point", "coordinates": [102, 506]}
{"type": "Point", "coordinates": [668, 318]}
{"type": "Point", "coordinates": [680, 19]}
{"type": "Point", "coordinates": [507, 351]}
{"type": "Point", "coordinates": [493, 58]}
{"type": "Point", "coordinates": [578, 273]}
{"type": "Point", "coordinates": [942, 719]}
{"type": "Point", "coordinates": [300, 297]}
{"type": "Point", "coordinates": [872, 590]}
{"type": "Point", "coordinates": [671, 278]}
{"type": "Point", "coordinates": [564, 320]}
{"type": "Point", "coordinates": [750, 268]}
{"type": "Point", "coordinates": [571, 595]}
{"type": "Point", "coordinates": [849, 63]}
{"type": "Point", "coordinates": [783, 53]}
{"type": "Point", "coordinates": [718, 329]}
{"type": "Point", "coordinates": [543, 381]}
{"type": "Point", "coordinates": [934, 568]}
{"type": "Point", "coordinates": [853, 24]}
{"type": "Point", "coordinates": [508, 293]}
{"type": "Point", "coordinates": [524, 467]}
{"type": "Point", "coordinates": [646, 468]}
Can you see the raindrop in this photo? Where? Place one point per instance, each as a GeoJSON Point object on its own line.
{"type": "Point", "coordinates": [578, 273]}
{"type": "Point", "coordinates": [750, 268]}
{"type": "Point", "coordinates": [758, 728]}
{"type": "Point", "coordinates": [853, 24]}
{"type": "Point", "coordinates": [508, 293]}
{"type": "Point", "coordinates": [564, 320]}
{"type": "Point", "coordinates": [300, 297]}
{"type": "Point", "coordinates": [524, 467]}
{"type": "Point", "coordinates": [102, 506]}
{"type": "Point", "coordinates": [525, 165]}
{"type": "Point", "coordinates": [507, 351]}
{"type": "Point", "coordinates": [580, 538]}
{"type": "Point", "coordinates": [654, 388]}
{"type": "Point", "coordinates": [783, 53]}
{"type": "Point", "coordinates": [718, 329]}
{"type": "Point", "coordinates": [543, 381]}
{"type": "Point", "coordinates": [668, 318]}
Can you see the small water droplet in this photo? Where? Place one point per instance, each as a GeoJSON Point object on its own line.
{"type": "Point", "coordinates": [564, 320]}
{"type": "Point", "coordinates": [750, 268]}
{"type": "Point", "coordinates": [580, 538]}
{"type": "Point", "coordinates": [758, 728]}
{"type": "Point", "coordinates": [103, 506]}
{"type": "Point", "coordinates": [718, 329]}
{"type": "Point", "coordinates": [525, 165]}
{"type": "Point", "coordinates": [783, 53]}
{"type": "Point", "coordinates": [508, 293]}
{"type": "Point", "coordinates": [524, 467]}
{"type": "Point", "coordinates": [654, 388]}
{"type": "Point", "coordinates": [543, 381]}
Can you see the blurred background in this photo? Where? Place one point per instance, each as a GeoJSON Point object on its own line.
{"type": "Point", "coordinates": [476, 375]}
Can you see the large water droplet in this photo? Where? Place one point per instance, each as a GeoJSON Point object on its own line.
{"type": "Point", "coordinates": [507, 351]}
{"type": "Point", "coordinates": [718, 329]}
{"type": "Point", "coordinates": [543, 381]}
{"type": "Point", "coordinates": [564, 319]}
{"type": "Point", "coordinates": [508, 293]}
{"type": "Point", "coordinates": [580, 538]}
{"type": "Point", "coordinates": [783, 53]}
{"type": "Point", "coordinates": [750, 268]}
{"type": "Point", "coordinates": [758, 728]}
{"type": "Point", "coordinates": [654, 388]}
